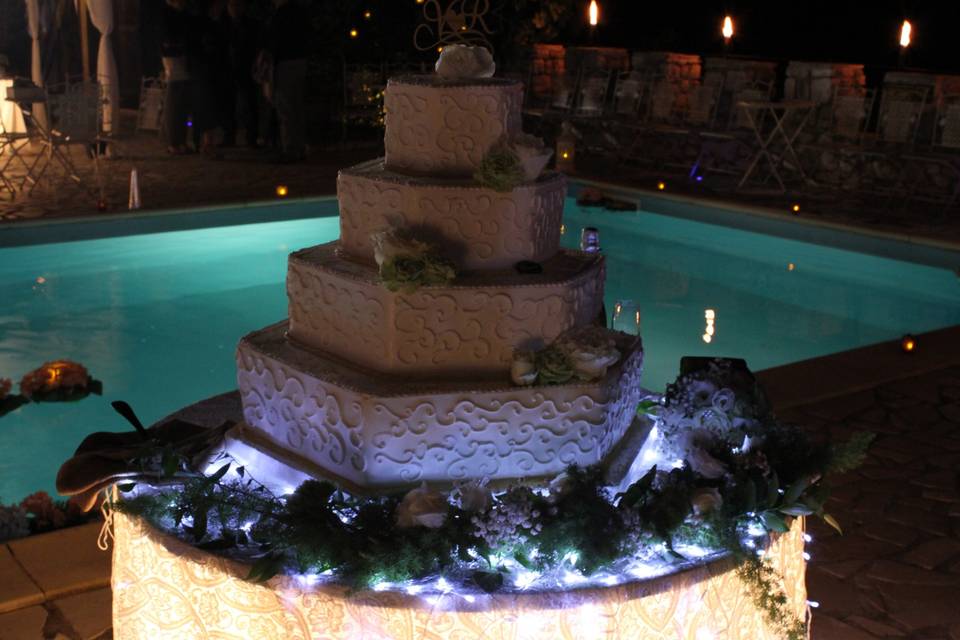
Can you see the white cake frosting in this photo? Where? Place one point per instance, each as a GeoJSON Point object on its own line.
{"type": "Point", "coordinates": [381, 431]}
{"type": "Point", "coordinates": [380, 389]}
{"type": "Point", "coordinates": [466, 329]}
{"type": "Point", "coordinates": [445, 127]}
{"type": "Point", "coordinates": [477, 227]}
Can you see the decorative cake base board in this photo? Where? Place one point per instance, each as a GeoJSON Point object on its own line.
{"type": "Point", "coordinates": [164, 588]}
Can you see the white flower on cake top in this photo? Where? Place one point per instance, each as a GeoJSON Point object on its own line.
{"type": "Point", "coordinates": [462, 62]}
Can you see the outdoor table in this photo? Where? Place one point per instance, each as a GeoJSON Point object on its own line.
{"type": "Point", "coordinates": [788, 119]}
{"type": "Point", "coordinates": [11, 118]}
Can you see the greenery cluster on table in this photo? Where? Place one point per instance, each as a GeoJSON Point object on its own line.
{"type": "Point", "coordinates": [721, 498]}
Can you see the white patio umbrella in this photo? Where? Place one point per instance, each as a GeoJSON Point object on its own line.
{"type": "Point", "coordinates": [101, 15]}
{"type": "Point", "coordinates": [36, 65]}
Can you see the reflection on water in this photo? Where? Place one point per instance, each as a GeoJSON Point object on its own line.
{"type": "Point", "coordinates": [157, 318]}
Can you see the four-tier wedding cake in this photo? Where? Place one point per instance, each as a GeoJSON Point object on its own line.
{"type": "Point", "coordinates": [381, 386]}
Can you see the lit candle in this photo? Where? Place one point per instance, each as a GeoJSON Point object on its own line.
{"type": "Point", "coordinates": [594, 13]}
{"type": "Point", "coordinates": [727, 29]}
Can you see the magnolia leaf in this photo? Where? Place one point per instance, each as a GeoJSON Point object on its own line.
{"type": "Point", "coordinates": [489, 581]}
{"type": "Point", "coordinates": [265, 568]}
{"type": "Point", "coordinates": [647, 407]}
{"type": "Point", "coordinates": [128, 414]}
{"type": "Point", "coordinates": [774, 521]}
{"type": "Point", "coordinates": [773, 489]}
{"type": "Point", "coordinates": [219, 473]}
{"type": "Point", "coordinates": [798, 509]}
{"type": "Point", "coordinates": [830, 520]}
{"type": "Point", "coordinates": [795, 490]}
{"type": "Point", "coordinates": [126, 487]}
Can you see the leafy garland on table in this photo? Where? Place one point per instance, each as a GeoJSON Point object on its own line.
{"type": "Point", "coordinates": [722, 497]}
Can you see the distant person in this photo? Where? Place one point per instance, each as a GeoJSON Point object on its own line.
{"type": "Point", "coordinates": [243, 97]}
{"type": "Point", "coordinates": [288, 36]}
{"type": "Point", "coordinates": [174, 30]}
{"type": "Point", "coordinates": [206, 52]}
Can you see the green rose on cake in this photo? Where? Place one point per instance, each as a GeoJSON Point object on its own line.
{"type": "Point", "coordinates": [407, 264]}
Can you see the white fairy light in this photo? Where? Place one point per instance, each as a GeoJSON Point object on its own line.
{"type": "Point", "coordinates": [442, 585]}
{"type": "Point", "coordinates": [806, 556]}
{"type": "Point", "coordinates": [413, 589]}
{"type": "Point", "coordinates": [610, 581]}
{"type": "Point", "coordinates": [525, 578]}
{"type": "Point", "coordinates": [382, 586]}
{"type": "Point", "coordinates": [469, 598]}
{"type": "Point", "coordinates": [572, 577]}
{"type": "Point", "coordinates": [677, 464]}
{"type": "Point", "coordinates": [813, 603]}
{"type": "Point", "coordinates": [572, 557]}
{"type": "Point", "coordinates": [807, 537]}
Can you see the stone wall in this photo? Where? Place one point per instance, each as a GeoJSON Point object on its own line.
{"type": "Point", "coordinates": [547, 64]}
{"type": "Point", "coordinates": [597, 59]}
{"type": "Point", "coordinates": [817, 81]}
{"type": "Point", "coordinates": [681, 71]}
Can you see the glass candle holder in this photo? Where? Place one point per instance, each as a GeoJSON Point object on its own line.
{"type": "Point", "coordinates": [626, 317]}
{"type": "Point", "coordinates": [590, 240]}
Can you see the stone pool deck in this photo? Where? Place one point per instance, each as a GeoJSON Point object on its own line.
{"type": "Point", "coordinates": [895, 573]}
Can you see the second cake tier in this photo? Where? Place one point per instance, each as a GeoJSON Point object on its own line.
{"type": "Point", "coordinates": [469, 328]}
{"type": "Point", "coordinates": [476, 227]}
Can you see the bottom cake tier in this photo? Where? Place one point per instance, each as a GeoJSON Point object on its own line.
{"type": "Point", "coordinates": [164, 588]}
{"type": "Point", "coordinates": [375, 431]}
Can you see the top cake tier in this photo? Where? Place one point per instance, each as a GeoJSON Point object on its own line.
{"type": "Point", "coordinates": [445, 127]}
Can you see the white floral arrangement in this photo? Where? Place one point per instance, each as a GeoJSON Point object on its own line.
{"type": "Point", "coordinates": [583, 353]}
{"type": "Point", "coordinates": [512, 161]}
{"type": "Point", "coordinates": [406, 263]}
{"type": "Point", "coordinates": [718, 403]}
{"type": "Point", "coordinates": [459, 62]}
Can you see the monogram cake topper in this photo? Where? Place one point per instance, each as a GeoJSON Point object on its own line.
{"type": "Point", "coordinates": [461, 22]}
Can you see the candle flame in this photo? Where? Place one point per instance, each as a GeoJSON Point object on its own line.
{"type": "Point", "coordinates": [594, 13]}
{"type": "Point", "coordinates": [905, 32]}
{"type": "Point", "coordinates": [727, 29]}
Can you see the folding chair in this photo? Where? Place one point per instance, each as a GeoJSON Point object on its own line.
{"type": "Point", "coordinates": [936, 174]}
{"type": "Point", "coordinates": [75, 113]}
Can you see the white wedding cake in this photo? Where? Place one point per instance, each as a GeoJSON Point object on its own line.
{"type": "Point", "coordinates": [382, 387]}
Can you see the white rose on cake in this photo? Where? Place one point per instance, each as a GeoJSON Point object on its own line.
{"type": "Point", "coordinates": [591, 350]}
{"type": "Point", "coordinates": [388, 245]}
{"type": "Point", "coordinates": [531, 152]}
{"type": "Point", "coordinates": [458, 61]}
{"type": "Point", "coordinates": [422, 507]}
{"type": "Point", "coordinates": [523, 369]}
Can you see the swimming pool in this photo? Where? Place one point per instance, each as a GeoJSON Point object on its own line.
{"type": "Point", "coordinates": [157, 316]}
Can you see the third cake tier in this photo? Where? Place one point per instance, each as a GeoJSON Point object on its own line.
{"type": "Point", "coordinates": [468, 328]}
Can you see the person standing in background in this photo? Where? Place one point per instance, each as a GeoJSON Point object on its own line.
{"type": "Point", "coordinates": [243, 42]}
{"type": "Point", "coordinates": [174, 30]}
{"type": "Point", "coordinates": [288, 35]}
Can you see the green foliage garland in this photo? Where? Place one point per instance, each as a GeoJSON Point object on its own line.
{"type": "Point", "coordinates": [408, 273]}
{"type": "Point", "coordinates": [500, 170]}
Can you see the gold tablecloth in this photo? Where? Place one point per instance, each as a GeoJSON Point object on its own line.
{"type": "Point", "coordinates": [164, 588]}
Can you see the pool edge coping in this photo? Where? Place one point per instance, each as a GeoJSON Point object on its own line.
{"type": "Point", "coordinates": [769, 213]}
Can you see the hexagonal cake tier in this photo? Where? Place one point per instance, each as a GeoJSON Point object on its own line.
{"type": "Point", "coordinates": [467, 329]}
{"type": "Point", "coordinates": [382, 431]}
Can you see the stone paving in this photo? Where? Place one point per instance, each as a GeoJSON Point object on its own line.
{"type": "Point", "coordinates": [895, 573]}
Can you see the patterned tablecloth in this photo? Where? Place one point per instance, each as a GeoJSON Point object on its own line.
{"type": "Point", "coordinates": [164, 588]}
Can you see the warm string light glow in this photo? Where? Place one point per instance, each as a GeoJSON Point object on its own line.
{"type": "Point", "coordinates": [354, 33]}
{"type": "Point", "coordinates": [367, 14]}
{"type": "Point", "coordinates": [908, 343]}
{"type": "Point", "coordinates": [661, 185]}
{"type": "Point", "coordinates": [282, 191]}
{"type": "Point", "coordinates": [727, 29]}
{"type": "Point", "coordinates": [710, 317]}
{"type": "Point", "coordinates": [594, 13]}
{"type": "Point", "coordinates": [795, 208]}
{"type": "Point", "coordinates": [906, 33]}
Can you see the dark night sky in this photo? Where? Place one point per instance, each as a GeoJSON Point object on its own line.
{"type": "Point", "coordinates": [839, 30]}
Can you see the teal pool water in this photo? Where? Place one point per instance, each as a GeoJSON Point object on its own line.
{"type": "Point", "coordinates": [157, 316]}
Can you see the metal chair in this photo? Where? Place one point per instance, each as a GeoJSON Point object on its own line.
{"type": "Point", "coordinates": [900, 110]}
{"type": "Point", "coordinates": [935, 175]}
{"type": "Point", "coordinates": [75, 113]}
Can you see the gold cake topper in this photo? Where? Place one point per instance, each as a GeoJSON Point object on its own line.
{"type": "Point", "coordinates": [461, 22]}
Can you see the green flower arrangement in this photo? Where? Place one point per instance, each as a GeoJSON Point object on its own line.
{"type": "Point", "coordinates": [500, 170]}
{"type": "Point", "coordinates": [407, 264]}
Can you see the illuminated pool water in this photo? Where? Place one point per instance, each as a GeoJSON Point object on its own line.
{"type": "Point", "coordinates": [157, 316]}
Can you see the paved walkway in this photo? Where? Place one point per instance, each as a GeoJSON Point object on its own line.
{"type": "Point", "coordinates": [895, 573]}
